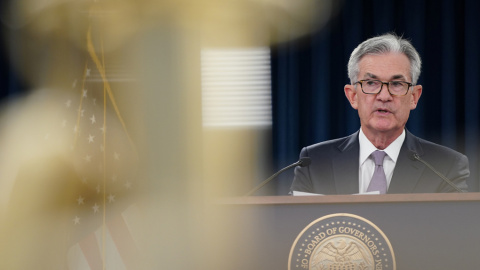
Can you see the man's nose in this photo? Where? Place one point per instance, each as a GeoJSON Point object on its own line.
{"type": "Point", "coordinates": [384, 94]}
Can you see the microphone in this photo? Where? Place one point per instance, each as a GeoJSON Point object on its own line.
{"type": "Point", "coordinates": [303, 162]}
{"type": "Point", "coordinates": [415, 156]}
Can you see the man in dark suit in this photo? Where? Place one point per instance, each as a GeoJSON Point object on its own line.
{"type": "Point", "coordinates": [383, 72]}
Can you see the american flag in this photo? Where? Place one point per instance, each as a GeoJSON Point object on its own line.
{"type": "Point", "coordinates": [76, 208]}
{"type": "Point", "coordinates": [105, 218]}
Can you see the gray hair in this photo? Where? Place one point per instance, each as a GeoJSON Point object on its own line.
{"type": "Point", "coordinates": [386, 43]}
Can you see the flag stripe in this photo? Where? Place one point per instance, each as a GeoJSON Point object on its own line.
{"type": "Point", "coordinates": [124, 242]}
{"type": "Point", "coordinates": [91, 251]}
{"type": "Point", "coordinates": [76, 259]}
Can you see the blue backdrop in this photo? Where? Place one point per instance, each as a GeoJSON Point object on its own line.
{"type": "Point", "coordinates": [309, 74]}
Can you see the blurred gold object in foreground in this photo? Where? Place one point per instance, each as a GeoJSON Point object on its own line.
{"type": "Point", "coordinates": [157, 89]}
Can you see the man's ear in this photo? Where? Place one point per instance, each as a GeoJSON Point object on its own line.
{"type": "Point", "coordinates": [351, 95]}
{"type": "Point", "coordinates": [416, 93]}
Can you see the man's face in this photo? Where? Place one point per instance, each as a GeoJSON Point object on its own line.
{"type": "Point", "coordinates": [382, 113]}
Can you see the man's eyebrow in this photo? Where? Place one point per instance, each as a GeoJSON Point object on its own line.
{"type": "Point", "coordinates": [370, 75]}
{"type": "Point", "coordinates": [394, 77]}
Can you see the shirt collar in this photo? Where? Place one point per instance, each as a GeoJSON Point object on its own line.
{"type": "Point", "coordinates": [366, 147]}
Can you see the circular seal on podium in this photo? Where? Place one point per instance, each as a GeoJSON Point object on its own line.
{"type": "Point", "coordinates": [341, 242]}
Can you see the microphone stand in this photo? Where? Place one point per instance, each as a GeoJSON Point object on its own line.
{"type": "Point", "coordinates": [305, 161]}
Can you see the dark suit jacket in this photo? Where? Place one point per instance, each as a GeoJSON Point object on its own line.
{"type": "Point", "coordinates": [334, 168]}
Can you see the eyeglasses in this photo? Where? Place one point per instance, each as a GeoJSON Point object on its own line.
{"type": "Point", "coordinates": [395, 88]}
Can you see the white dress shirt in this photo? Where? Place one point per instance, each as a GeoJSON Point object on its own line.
{"type": "Point", "coordinates": [367, 165]}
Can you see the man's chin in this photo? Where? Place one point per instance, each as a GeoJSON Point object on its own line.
{"type": "Point", "coordinates": [383, 127]}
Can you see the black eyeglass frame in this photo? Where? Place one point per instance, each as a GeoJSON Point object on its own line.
{"type": "Point", "coordinates": [386, 83]}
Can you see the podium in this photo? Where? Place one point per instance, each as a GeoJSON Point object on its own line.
{"type": "Point", "coordinates": [426, 231]}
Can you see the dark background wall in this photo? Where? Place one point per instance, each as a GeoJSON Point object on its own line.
{"type": "Point", "coordinates": [309, 74]}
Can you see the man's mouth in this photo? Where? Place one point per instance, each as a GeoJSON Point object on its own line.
{"type": "Point", "coordinates": [383, 111]}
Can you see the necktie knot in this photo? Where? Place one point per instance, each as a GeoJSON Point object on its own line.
{"type": "Point", "coordinates": [378, 157]}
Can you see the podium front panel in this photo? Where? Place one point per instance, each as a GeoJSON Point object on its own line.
{"type": "Point", "coordinates": [426, 231]}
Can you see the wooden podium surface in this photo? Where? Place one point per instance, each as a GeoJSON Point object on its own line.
{"type": "Point", "coordinates": [426, 231]}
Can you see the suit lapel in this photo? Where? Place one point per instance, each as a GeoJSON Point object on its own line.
{"type": "Point", "coordinates": [345, 166]}
{"type": "Point", "coordinates": [407, 171]}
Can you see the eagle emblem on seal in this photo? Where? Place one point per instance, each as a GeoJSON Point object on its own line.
{"type": "Point", "coordinates": [341, 253]}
